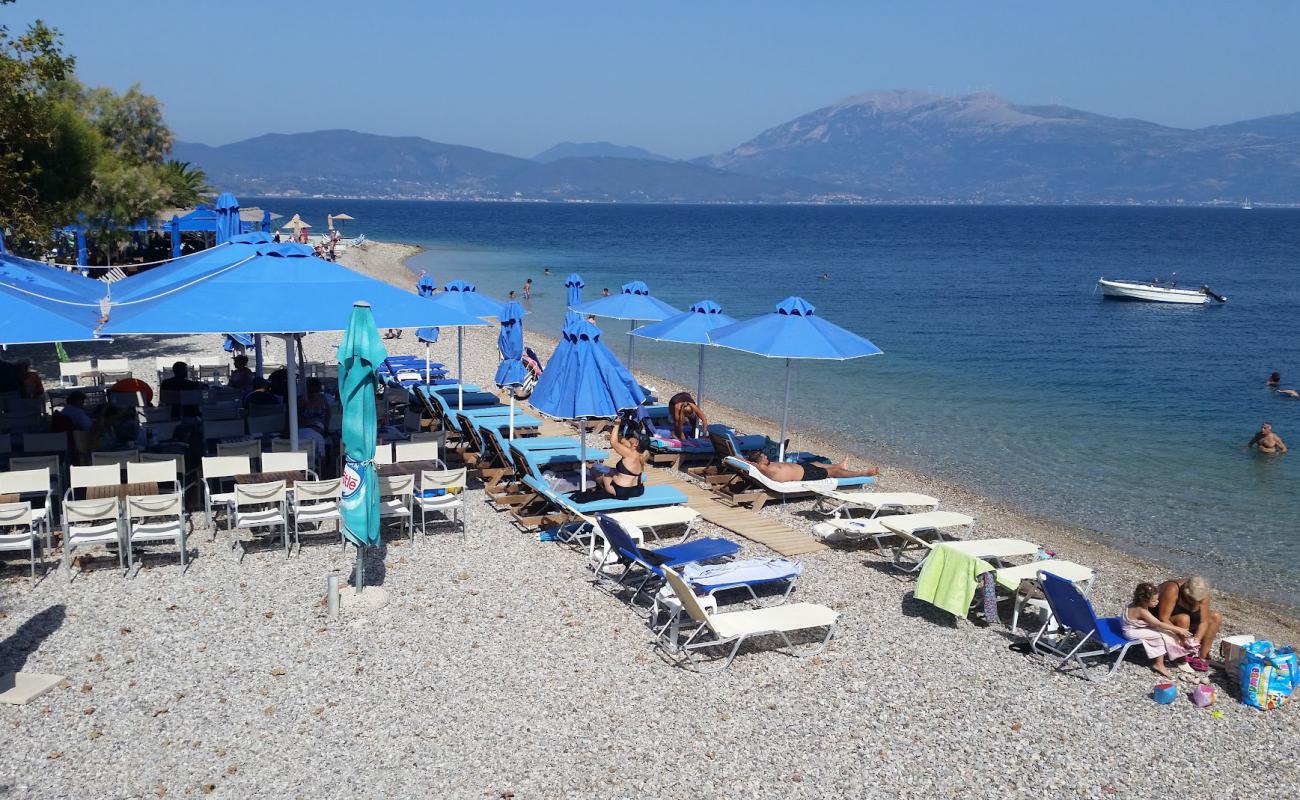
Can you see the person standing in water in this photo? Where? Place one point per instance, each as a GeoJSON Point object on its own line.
{"type": "Point", "coordinates": [1267, 441]}
{"type": "Point", "coordinates": [528, 288]}
{"type": "Point", "coordinates": [546, 271]}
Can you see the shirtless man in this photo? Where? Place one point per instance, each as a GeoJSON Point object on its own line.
{"type": "Point", "coordinates": [785, 471]}
{"type": "Point", "coordinates": [1267, 441]}
{"type": "Point", "coordinates": [685, 412]}
{"type": "Point", "coordinates": [1185, 602]}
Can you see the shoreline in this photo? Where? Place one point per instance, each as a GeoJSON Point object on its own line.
{"type": "Point", "coordinates": [1119, 569]}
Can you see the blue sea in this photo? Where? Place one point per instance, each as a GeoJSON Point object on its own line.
{"type": "Point", "coordinates": [1002, 370]}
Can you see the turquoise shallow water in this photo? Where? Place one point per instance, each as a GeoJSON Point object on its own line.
{"type": "Point", "coordinates": [1002, 371]}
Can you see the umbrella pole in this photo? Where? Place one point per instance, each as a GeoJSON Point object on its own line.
{"type": "Point", "coordinates": [631, 345]}
{"type": "Point", "coordinates": [426, 363]}
{"type": "Point", "coordinates": [582, 436]}
{"type": "Point", "coordinates": [512, 415]}
{"type": "Point", "coordinates": [460, 369]}
{"type": "Point", "coordinates": [361, 568]}
{"type": "Point", "coordinates": [257, 357]}
{"type": "Point", "coordinates": [699, 379]}
{"type": "Point", "coordinates": [785, 411]}
{"type": "Point", "coordinates": [291, 364]}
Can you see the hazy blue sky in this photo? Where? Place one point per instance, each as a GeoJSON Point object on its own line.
{"type": "Point", "coordinates": [684, 79]}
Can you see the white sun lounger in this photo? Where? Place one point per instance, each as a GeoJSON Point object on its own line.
{"type": "Point", "coordinates": [638, 522]}
{"type": "Point", "coordinates": [1012, 578]}
{"type": "Point", "coordinates": [905, 532]}
{"type": "Point", "coordinates": [836, 503]}
{"type": "Point", "coordinates": [720, 630]}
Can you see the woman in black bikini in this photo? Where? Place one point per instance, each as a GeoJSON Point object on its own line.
{"type": "Point", "coordinates": [626, 480]}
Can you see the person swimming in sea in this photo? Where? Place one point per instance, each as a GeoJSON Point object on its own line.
{"type": "Point", "coordinates": [825, 276]}
{"type": "Point", "coordinates": [1274, 383]}
{"type": "Point", "coordinates": [546, 271]}
{"type": "Point", "coordinates": [1267, 441]}
{"type": "Point", "coordinates": [783, 471]}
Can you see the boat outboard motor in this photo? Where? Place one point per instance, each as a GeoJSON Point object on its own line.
{"type": "Point", "coordinates": [1211, 293]}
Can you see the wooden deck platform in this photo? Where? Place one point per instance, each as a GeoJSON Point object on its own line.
{"type": "Point", "coordinates": [768, 532]}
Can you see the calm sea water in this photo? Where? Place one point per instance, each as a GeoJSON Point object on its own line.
{"type": "Point", "coordinates": [1002, 370]}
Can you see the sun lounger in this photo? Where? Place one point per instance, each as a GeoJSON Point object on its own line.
{"type": "Point", "coordinates": [1020, 580]}
{"type": "Point", "coordinates": [570, 510]}
{"type": "Point", "coordinates": [1074, 613]}
{"type": "Point", "coordinates": [749, 486]}
{"type": "Point", "coordinates": [708, 581]}
{"type": "Point", "coordinates": [735, 627]}
{"type": "Point", "coordinates": [837, 503]}
{"type": "Point", "coordinates": [901, 535]}
{"type": "Point", "coordinates": [643, 567]}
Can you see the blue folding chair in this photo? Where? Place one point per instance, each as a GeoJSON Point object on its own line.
{"type": "Point", "coordinates": [650, 562]}
{"type": "Point", "coordinates": [1078, 621]}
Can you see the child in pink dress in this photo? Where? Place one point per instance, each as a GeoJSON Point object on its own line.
{"type": "Point", "coordinates": [1159, 639]}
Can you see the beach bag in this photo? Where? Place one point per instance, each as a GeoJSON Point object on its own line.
{"type": "Point", "coordinates": [1268, 675]}
{"type": "Point", "coordinates": [1231, 649]}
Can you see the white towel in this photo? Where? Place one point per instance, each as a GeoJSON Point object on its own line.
{"type": "Point", "coordinates": [748, 570]}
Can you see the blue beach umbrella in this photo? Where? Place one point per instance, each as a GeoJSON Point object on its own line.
{"type": "Point", "coordinates": [464, 299]}
{"type": "Point", "coordinates": [227, 209]}
{"type": "Point", "coordinates": [693, 327]}
{"type": "Point", "coordinates": [425, 287]}
{"type": "Point", "coordinates": [511, 373]}
{"type": "Point", "coordinates": [430, 337]}
{"type": "Point", "coordinates": [360, 354]}
{"type": "Point", "coordinates": [83, 255]}
{"type": "Point", "coordinates": [29, 318]}
{"type": "Point", "coordinates": [584, 380]}
{"type": "Point", "coordinates": [793, 330]}
{"type": "Point", "coordinates": [573, 296]}
{"type": "Point", "coordinates": [49, 282]}
{"type": "Point", "coordinates": [633, 302]}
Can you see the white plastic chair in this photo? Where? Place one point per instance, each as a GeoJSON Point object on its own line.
{"type": "Point", "coordinates": [442, 491]}
{"type": "Point", "coordinates": [259, 506]}
{"type": "Point", "coordinates": [71, 372]}
{"type": "Point", "coordinates": [316, 502]}
{"type": "Point", "coordinates": [176, 459]}
{"type": "Point", "coordinates": [153, 472]}
{"type": "Point", "coordinates": [216, 430]}
{"type": "Point", "coordinates": [384, 453]}
{"type": "Point", "coordinates": [423, 450]}
{"type": "Point", "coordinates": [265, 424]}
{"type": "Point", "coordinates": [219, 468]}
{"type": "Point", "coordinates": [395, 498]}
{"type": "Point", "coordinates": [31, 482]}
{"type": "Point", "coordinates": [219, 411]}
{"type": "Point", "coordinates": [87, 477]}
{"type": "Point", "coordinates": [42, 443]}
{"type": "Point", "coordinates": [87, 523]}
{"type": "Point", "coordinates": [155, 518]}
{"type": "Point", "coordinates": [250, 449]}
{"type": "Point", "coordinates": [112, 369]}
{"type": "Point", "coordinates": [17, 531]}
{"type": "Point", "coordinates": [286, 462]}
{"type": "Point", "coordinates": [118, 457]}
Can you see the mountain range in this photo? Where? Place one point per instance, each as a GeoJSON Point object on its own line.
{"type": "Point", "coordinates": [888, 146]}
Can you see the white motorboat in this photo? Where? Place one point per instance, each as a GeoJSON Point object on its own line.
{"type": "Point", "coordinates": [1157, 292]}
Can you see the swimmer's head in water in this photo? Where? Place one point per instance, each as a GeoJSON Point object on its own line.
{"type": "Point", "coordinates": [1275, 378]}
{"type": "Point", "coordinates": [1265, 427]}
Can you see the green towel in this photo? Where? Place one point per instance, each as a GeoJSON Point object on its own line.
{"type": "Point", "coordinates": [948, 579]}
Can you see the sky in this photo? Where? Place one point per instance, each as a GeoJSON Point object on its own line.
{"type": "Point", "coordinates": [679, 78]}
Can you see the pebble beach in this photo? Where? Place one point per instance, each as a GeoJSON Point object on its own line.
{"type": "Point", "coordinates": [499, 669]}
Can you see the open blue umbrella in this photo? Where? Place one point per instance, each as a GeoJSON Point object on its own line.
{"type": "Point", "coordinates": [360, 354]}
{"type": "Point", "coordinates": [464, 299]}
{"type": "Point", "coordinates": [430, 337]}
{"type": "Point", "coordinates": [29, 318]}
{"type": "Point", "coordinates": [511, 373]}
{"type": "Point", "coordinates": [584, 380]}
{"type": "Point", "coordinates": [633, 302]}
{"type": "Point", "coordinates": [227, 209]}
{"type": "Point", "coordinates": [425, 286]}
{"type": "Point", "coordinates": [693, 327]}
{"type": "Point", "coordinates": [793, 330]}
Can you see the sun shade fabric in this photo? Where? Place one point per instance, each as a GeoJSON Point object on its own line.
{"type": "Point", "coordinates": [279, 289]}
{"type": "Point", "coordinates": [360, 354]}
{"type": "Point", "coordinates": [573, 290]}
{"type": "Point", "coordinates": [465, 299]}
{"type": "Point", "coordinates": [47, 281]}
{"type": "Point", "coordinates": [511, 371]}
{"type": "Point", "coordinates": [583, 379]}
{"type": "Point", "coordinates": [633, 301]}
{"type": "Point", "coordinates": [228, 224]}
{"type": "Point", "coordinates": [692, 327]}
{"type": "Point", "coordinates": [26, 319]}
{"type": "Point", "coordinates": [793, 330]}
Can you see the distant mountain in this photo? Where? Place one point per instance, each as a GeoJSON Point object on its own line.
{"type": "Point", "coordinates": [596, 150]}
{"type": "Point", "coordinates": [912, 146]}
{"type": "Point", "coordinates": [638, 180]}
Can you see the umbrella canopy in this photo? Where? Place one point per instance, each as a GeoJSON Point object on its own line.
{"type": "Point", "coordinates": [48, 282]}
{"type": "Point", "coordinates": [26, 318]}
{"type": "Point", "coordinates": [425, 287]}
{"type": "Point", "coordinates": [279, 288]}
{"type": "Point", "coordinates": [343, 217]}
{"type": "Point", "coordinates": [295, 223]}
{"type": "Point", "coordinates": [191, 267]}
{"type": "Point", "coordinates": [633, 302]}
{"type": "Point", "coordinates": [511, 372]}
{"type": "Point", "coordinates": [584, 380]}
{"type": "Point", "coordinates": [228, 223]}
{"type": "Point", "coordinates": [693, 327]}
{"type": "Point", "coordinates": [464, 299]}
{"type": "Point", "coordinates": [793, 330]}
{"type": "Point", "coordinates": [360, 354]}
{"type": "Point", "coordinates": [573, 289]}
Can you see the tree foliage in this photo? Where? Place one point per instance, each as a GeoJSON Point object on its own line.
{"type": "Point", "coordinates": [68, 152]}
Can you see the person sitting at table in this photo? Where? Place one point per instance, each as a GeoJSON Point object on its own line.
{"type": "Point", "coordinates": [134, 386]}
{"type": "Point", "coordinates": [114, 428]}
{"type": "Point", "coordinates": [314, 416]}
{"type": "Point", "coordinates": [261, 395]}
{"type": "Point", "coordinates": [180, 380]}
{"type": "Point", "coordinates": [30, 385]}
{"type": "Point", "coordinates": [72, 416]}
{"type": "Point", "coordinates": [241, 377]}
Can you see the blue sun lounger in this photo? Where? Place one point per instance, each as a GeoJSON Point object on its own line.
{"type": "Point", "coordinates": [1081, 625]}
{"type": "Point", "coordinates": [533, 511]}
{"type": "Point", "coordinates": [647, 564]}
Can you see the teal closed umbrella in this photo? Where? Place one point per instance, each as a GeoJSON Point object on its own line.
{"type": "Point", "coordinates": [360, 354]}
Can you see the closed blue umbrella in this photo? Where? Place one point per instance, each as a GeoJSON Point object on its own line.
{"type": "Point", "coordinates": [584, 380]}
{"type": "Point", "coordinates": [360, 354]}
{"type": "Point", "coordinates": [633, 302]}
{"type": "Point", "coordinates": [83, 255]}
{"type": "Point", "coordinates": [793, 330]}
{"type": "Point", "coordinates": [464, 298]}
{"type": "Point", "coordinates": [227, 209]}
{"type": "Point", "coordinates": [511, 373]}
{"type": "Point", "coordinates": [573, 289]}
{"type": "Point", "coordinates": [174, 228]}
{"type": "Point", "coordinates": [425, 286]}
{"type": "Point", "coordinates": [693, 327]}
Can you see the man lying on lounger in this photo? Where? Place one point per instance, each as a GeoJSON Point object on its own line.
{"type": "Point", "coordinates": [784, 472]}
